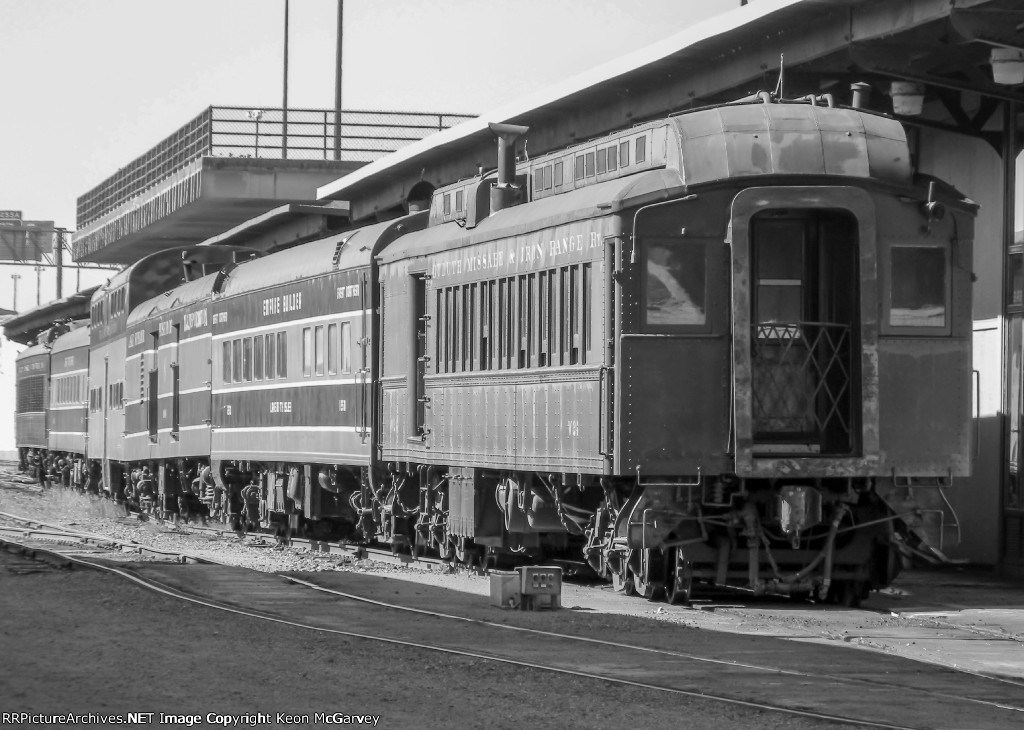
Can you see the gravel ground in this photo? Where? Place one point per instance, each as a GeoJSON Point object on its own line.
{"type": "Point", "coordinates": [84, 642]}
{"type": "Point", "coordinates": [81, 642]}
{"type": "Point", "coordinates": [599, 608]}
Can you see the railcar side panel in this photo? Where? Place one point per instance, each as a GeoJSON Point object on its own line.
{"type": "Point", "coordinates": [924, 349]}
{"type": "Point", "coordinates": [311, 401]}
{"type": "Point", "coordinates": [512, 372]}
{"type": "Point", "coordinates": [170, 355]}
{"type": "Point", "coordinates": [33, 383]}
{"type": "Point", "coordinates": [107, 398]}
{"type": "Point", "coordinates": [673, 382]}
{"type": "Point", "coordinates": [69, 399]}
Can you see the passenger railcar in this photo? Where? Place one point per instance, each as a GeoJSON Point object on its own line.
{"type": "Point", "coordinates": [110, 373]}
{"type": "Point", "coordinates": [704, 349]}
{"type": "Point", "coordinates": [68, 408]}
{"type": "Point", "coordinates": [168, 420]}
{"type": "Point", "coordinates": [32, 381]}
{"type": "Point", "coordinates": [292, 394]}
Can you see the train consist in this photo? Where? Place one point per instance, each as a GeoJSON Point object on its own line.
{"type": "Point", "coordinates": [723, 347]}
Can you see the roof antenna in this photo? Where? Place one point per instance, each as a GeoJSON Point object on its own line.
{"type": "Point", "coordinates": [782, 72]}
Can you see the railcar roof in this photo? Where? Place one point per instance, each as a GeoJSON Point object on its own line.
{"type": "Point", "coordinates": [32, 351]}
{"type": "Point", "coordinates": [310, 259]}
{"type": "Point", "coordinates": [737, 140]}
{"type": "Point", "coordinates": [77, 337]}
{"type": "Point", "coordinates": [188, 293]}
{"type": "Point", "coordinates": [589, 202]}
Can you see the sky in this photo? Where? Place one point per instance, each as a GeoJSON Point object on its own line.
{"type": "Point", "coordinates": [89, 85]}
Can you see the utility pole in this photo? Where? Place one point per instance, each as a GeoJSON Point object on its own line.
{"type": "Point", "coordinates": [337, 83]}
{"type": "Point", "coordinates": [284, 103]}
{"type": "Point", "coordinates": [58, 257]}
{"type": "Point", "coordinates": [39, 285]}
{"type": "Point", "coordinates": [14, 279]}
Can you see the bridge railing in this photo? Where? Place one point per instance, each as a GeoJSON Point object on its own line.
{"type": "Point", "coordinates": [298, 134]}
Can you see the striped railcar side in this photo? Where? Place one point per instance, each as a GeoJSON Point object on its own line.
{"type": "Point", "coordinates": [106, 411]}
{"type": "Point", "coordinates": [170, 352]}
{"type": "Point", "coordinates": [68, 409]}
{"type": "Point", "coordinates": [303, 416]}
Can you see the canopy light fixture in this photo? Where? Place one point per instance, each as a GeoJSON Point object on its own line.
{"type": "Point", "coordinates": [1007, 66]}
{"type": "Point", "coordinates": [907, 98]}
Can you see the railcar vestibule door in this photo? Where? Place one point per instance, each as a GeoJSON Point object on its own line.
{"type": "Point", "coordinates": [805, 330]}
{"type": "Point", "coordinates": [804, 336]}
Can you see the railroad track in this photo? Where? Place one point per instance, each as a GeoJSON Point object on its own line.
{"type": "Point", "coordinates": [580, 655]}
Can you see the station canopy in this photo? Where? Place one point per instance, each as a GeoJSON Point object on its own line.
{"type": "Point", "coordinates": [958, 55]}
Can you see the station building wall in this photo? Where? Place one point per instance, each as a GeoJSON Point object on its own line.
{"type": "Point", "coordinates": [974, 167]}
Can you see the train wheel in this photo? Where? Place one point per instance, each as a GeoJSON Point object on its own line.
{"type": "Point", "coordinates": [848, 593]}
{"type": "Point", "coordinates": [623, 583]}
{"type": "Point", "coordinates": [459, 549]}
{"type": "Point", "coordinates": [649, 574]}
{"type": "Point", "coordinates": [446, 547]}
{"type": "Point", "coordinates": [623, 579]}
{"type": "Point", "coordinates": [679, 587]}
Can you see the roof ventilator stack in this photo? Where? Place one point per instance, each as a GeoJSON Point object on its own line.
{"type": "Point", "coordinates": [505, 193]}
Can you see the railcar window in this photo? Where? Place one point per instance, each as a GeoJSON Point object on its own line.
{"type": "Point", "coordinates": [332, 349]}
{"type": "Point", "coordinates": [624, 153]}
{"type": "Point", "coordinates": [675, 282]}
{"type": "Point", "coordinates": [602, 161]}
{"type": "Point", "coordinates": [346, 347]}
{"type": "Point", "coordinates": [574, 315]}
{"type": "Point", "coordinates": [282, 354]}
{"type": "Point", "coordinates": [236, 360]}
{"type": "Point", "coordinates": [226, 358]}
{"type": "Point", "coordinates": [589, 157]}
{"type": "Point", "coordinates": [247, 360]}
{"type": "Point", "coordinates": [459, 200]}
{"type": "Point", "coordinates": [307, 351]}
{"type": "Point", "coordinates": [919, 286]}
{"type": "Point", "coordinates": [613, 158]}
{"type": "Point", "coordinates": [439, 338]}
{"type": "Point", "coordinates": [501, 322]}
{"type": "Point", "coordinates": [543, 295]}
{"type": "Point", "coordinates": [470, 339]}
{"type": "Point", "coordinates": [558, 174]}
{"type": "Point", "coordinates": [780, 270]}
{"type": "Point", "coordinates": [641, 149]}
{"type": "Point", "coordinates": [456, 351]}
{"type": "Point", "coordinates": [447, 202]}
{"type": "Point", "coordinates": [485, 325]}
{"type": "Point", "coordinates": [579, 167]}
{"type": "Point", "coordinates": [258, 357]}
{"type": "Point", "coordinates": [271, 356]}
{"type": "Point", "coordinates": [495, 291]}
{"type": "Point", "coordinates": [510, 331]}
{"type": "Point", "coordinates": [524, 322]}
{"type": "Point", "coordinates": [318, 349]}
{"type": "Point", "coordinates": [1016, 279]}
{"type": "Point", "coordinates": [585, 312]}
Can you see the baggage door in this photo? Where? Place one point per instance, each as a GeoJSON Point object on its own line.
{"type": "Point", "coordinates": [153, 391]}
{"type": "Point", "coordinates": [363, 378]}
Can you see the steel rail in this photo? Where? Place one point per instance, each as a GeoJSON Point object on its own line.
{"type": "Point", "coordinates": [664, 652]}
{"type": "Point", "coordinates": [159, 588]}
{"type": "Point", "coordinates": [619, 645]}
